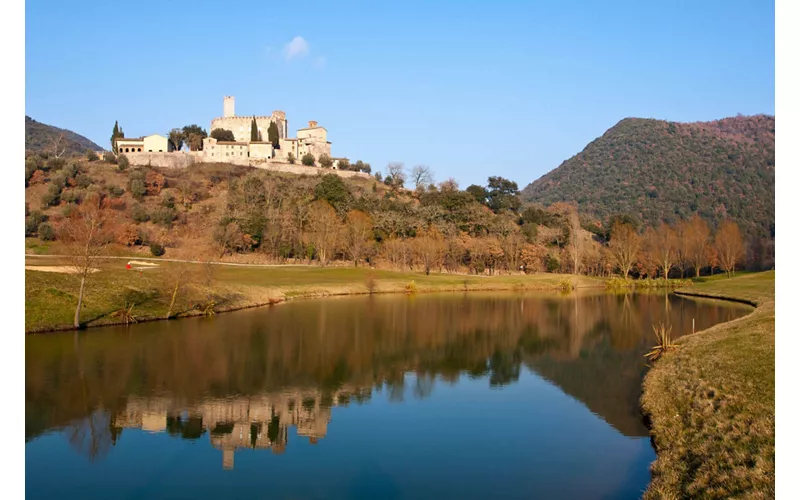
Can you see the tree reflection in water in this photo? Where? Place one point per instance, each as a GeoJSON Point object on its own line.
{"type": "Point", "coordinates": [245, 378]}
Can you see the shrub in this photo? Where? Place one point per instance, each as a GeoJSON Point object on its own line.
{"type": "Point", "coordinates": [36, 178]}
{"type": "Point", "coordinates": [551, 264]}
{"type": "Point", "coordinates": [157, 249]}
{"type": "Point", "coordinates": [70, 171]}
{"type": "Point", "coordinates": [566, 285]}
{"type": "Point", "coordinates": [30, 168]}
{"type": "Point", "coordinates": [55, 163]}
{"type": "Point", "coordinates": [344, 164]}
{"type": "Point", "coordinates": [154, 182]}
{"type": "Point", "coordinates": [617, 283]}
{"type": "Point", "coordinates": [411, 287]}
{"type": "Point", "coordinates": [52, 197]}
{"type": "Point", "coordinates": [138, 213]}
{"type": "Point", "coordinates": [308, 160]}
{"type": "Point", "coordinates": [116, 191]}
{"type": "Point", "coordinates": [92, 156]}
{"type": "Point", "coordinates": [83, 181]}
{"type": "Point", "coordinates": [46, 232]}
{"type": "Point", "coordinates": [69, 209]}
{"type": "Point", "coordinates": [138, 189]}
{"type": "Point", "coordinates": [163, 215]}
{"type": "Point", "coordinates": [122, 163]}
{"type": "Point", "coordinates": [109, 157]}
{"type": "Point", "coordinates": [71, 195]}
{"type": "Point", "coordinates": [167, 200]}
{"type": "Point", "coordinates": [325, 160]}
{"type": "Point", "coordinates": [59, 180]}
{"type": "Point", "coordinates": [33, 221]}
{"type": "Point", "coordinates": [290, 157]}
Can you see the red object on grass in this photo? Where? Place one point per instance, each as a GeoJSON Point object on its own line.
{"type": "Point", "coordinates": [127, 266]}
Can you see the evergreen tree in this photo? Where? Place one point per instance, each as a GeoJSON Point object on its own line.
{"type": "Point", "coordinates": [273, 136]}
{"type": "Point", "coordinates": [253, 131]}
{"type": "Point", "coordinates": [116, 133]}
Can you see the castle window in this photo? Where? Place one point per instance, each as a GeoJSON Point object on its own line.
{"type": "Point", "coordinates": [139, 150]}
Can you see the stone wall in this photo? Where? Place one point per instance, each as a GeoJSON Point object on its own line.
{"type": "Point", "coordinates": [185, 160]}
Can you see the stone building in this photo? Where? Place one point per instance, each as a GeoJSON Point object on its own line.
{"type": "Point", "coordinates": [312, 139]}
{"type": "Point", "coordinates": [240, 125]}
{"type": "Point", "coordinates": [154, 143]}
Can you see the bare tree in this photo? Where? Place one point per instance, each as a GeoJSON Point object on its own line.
{"type": "Point", "coordinates": [397, 172]}
{"type": "Point", "coordinates": [358, 235]}
{"type": "Point", "coordinates": [324, 230]}
{"type": "Point", "coordinates": [175, 276]}
{"type": "Point", "coordinates": [57, 145]}
{"type": "Point", "coordinates": [666, 248]}
{"type": "Point", "coordinates": [448, 185]}
{"type": "Point", "coordinates": [86, 232]}
{"type": "Point", "coordinates": [729, 245]}
{"type": "Point", "coordinates": [624, 245]}
{"type": "Point", "coordinates": [422, 176]}
{"type": "Point", "coordinates": [429, 248]}
{"type": "Point", "coordinates": [648, 256]}
{"type": "Point", "coordinates": [696, 238]}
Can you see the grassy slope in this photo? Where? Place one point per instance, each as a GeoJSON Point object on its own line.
{"type": "Point", "coordinates": [712, 402]}
{"type": "Point", "coordinates": [50, 298]}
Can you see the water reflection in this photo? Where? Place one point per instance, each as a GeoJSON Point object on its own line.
{"type": "Point", "coordinates": [243, 380]}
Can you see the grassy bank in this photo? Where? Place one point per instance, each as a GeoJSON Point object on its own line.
{"type": "Point", "coordinates": [711, 402]}
{"type": "Point", "coordinates": [50, 297]}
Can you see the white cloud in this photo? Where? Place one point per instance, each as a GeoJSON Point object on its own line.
{"type": "Point", "coordinates": [298, 47]}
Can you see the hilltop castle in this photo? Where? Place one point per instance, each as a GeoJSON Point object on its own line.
{"type": "Point", "coordinates": [156, 150]}
{"type": "Point", "coordinates": [313, 139]}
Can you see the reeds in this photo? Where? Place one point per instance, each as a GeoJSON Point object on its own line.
{"type": "Point", "coordinates": [663, 342]}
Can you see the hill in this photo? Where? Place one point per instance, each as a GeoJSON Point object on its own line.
{"type": "Point", "coordinates": [656, 170]}
{"type": "Point", "coordinates": [40, 137]}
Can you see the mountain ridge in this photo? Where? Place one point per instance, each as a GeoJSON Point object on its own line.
{"type": "Point", "coordinates": [39, 137]}
{"type": "Point", "coordinates": [657, 170]}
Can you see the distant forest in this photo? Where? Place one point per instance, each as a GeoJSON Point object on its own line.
{"type": "Point", "coordinates": [40, 137]}
{"type": "Point", "coordinates": [658, 171]}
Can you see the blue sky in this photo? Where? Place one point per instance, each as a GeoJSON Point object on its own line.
{"type": "Point", "coordinates": [471, 89]}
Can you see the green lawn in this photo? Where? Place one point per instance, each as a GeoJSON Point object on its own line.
{"type": "Point", "coordinates": [711, 402]}
{"type": "Point", "coordinates": [50, 298]}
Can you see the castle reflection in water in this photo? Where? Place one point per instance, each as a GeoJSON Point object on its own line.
{"type": "Point", "coordinates": [255, 422]}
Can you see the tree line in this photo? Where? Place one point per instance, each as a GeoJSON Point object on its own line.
{"type": "Point", "coordinates": [325, 219]}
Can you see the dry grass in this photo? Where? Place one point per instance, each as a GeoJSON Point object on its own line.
{"type": "Point", "coordinates": [711, 403]}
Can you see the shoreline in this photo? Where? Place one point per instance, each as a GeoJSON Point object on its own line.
{"type": "Point", "coordinates": [707, 403]}
{"type": "Point", "coordinates": [317, 291]}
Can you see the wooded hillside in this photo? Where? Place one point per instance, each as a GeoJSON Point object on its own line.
{"type": "Point", "coordinates": [656, 171]}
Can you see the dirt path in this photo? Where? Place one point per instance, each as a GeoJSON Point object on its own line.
{"type": "Point", "coordinates": [56, 269]}
{"type": "Point", "coordinates": [27, 255]}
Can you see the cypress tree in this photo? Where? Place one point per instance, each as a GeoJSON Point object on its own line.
{"type": "Point", "coordinates": [253, 131]}
{"type": "Point", "coordinates": [273, 136]}
{"type": "Point", "coordinates": [114, 135]}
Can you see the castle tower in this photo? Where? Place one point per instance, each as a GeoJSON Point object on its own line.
{"type": "Point", "coordinates": [227, 106]}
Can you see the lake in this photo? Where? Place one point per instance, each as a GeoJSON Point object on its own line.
{"type": "Point", "coordinates": [478, 395]}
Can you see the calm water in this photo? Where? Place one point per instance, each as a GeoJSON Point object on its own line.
{"type": "Point", "coordinates": [434, 396]}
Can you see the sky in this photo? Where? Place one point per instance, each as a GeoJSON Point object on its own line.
{"type": "Point", "coordinates": [471, 89]}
